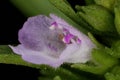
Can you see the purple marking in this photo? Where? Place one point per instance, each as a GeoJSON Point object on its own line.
{"type": "Point", "coordinates": [78, 41]}
{"type": "Point", "coordinates": [55, 24]}
{"type": "Point", "coordinates": [68, 37]}
{"type": "Point", "coordinates": [52, 47]}
{"type": "Point", "coordinates": [66, 31]}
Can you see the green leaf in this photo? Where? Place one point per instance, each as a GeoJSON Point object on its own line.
{"type": "Point", "coordinates": [59, 73]}
{"type": "Point", "coordinates": [101, 57]}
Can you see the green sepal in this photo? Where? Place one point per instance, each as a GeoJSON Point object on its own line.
{"type": "Point", "coordinates": [98, 17]}
{"type": "Point", "coordinates": [114, 74]}
{"type": "Point", "coordinates": [105, 40]}
{"type": "Point", "coordinates": [101, 23]}
{"type": "Point", "coordinates": [100, 63]}
{"type": "Point", "coordinates": [115, 49]}
{"type": "Point", "coordinates": [109, 4]}
{"type": "Point", "coordinates": [117, 15]}
{"type": "Point", "coordinates": [65, 8]}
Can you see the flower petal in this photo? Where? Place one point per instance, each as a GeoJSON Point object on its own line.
{"type": "Point", "coordinates": [36, 57]}
{"type": "Point", "coordinates": [33, 32]}
{"type": "Point", "coordinates": [76, 54]}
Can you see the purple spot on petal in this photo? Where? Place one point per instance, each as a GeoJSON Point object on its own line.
{"type": "Point", "coordinates": [52, 47]}
{"type": "Point", "coordinates": [78, 41]}
{"type": "Point", "coordinates": [55, 24]}
{"type": "Point", "coordinates": [65, 31]}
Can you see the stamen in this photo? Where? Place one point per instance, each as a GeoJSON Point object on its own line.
{"type": "Point", "coordinates": [64, 34]}
{"type": "Point", "coordinates": [70, 38]}
{"type": "Point", "coordinates": [67, 38]}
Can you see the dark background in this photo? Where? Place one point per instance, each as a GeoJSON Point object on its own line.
{"type": "Point", "coordinates": [11, 20]}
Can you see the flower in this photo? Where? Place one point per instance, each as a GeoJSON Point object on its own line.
{"type": "Point", "coordinates": [52, 41]}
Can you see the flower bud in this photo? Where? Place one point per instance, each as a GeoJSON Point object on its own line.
{"type": "Point", "coordinates": [98, 17]}
{"type": "Point", "coordinates": [109, 4]}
